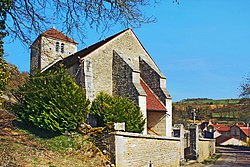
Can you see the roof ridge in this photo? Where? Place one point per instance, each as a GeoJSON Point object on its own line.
{"type": "Point", "coordinates": [89, 49]}
{"type": "Point", "coordinates": [103, 42]}
{"type": "Point", "coordinates": [54, 33]}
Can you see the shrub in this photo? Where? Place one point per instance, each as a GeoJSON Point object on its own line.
{"type": "Point", "coordinates": [52, 101]}
{"type": "Point", "coordinates": [108, 109]}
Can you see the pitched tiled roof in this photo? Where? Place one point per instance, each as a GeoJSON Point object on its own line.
{"type": "Point", "coordinates": [53, 33]}
{"type": "Point", "coordinates": [240, 125]}
{"type": "Point", "coordinates": [72, 59]}
{"type": "Point", "coordinates": [222, 127]}
{"type": "Point", "coordinates": [246, 130]}
{"type": "Point", "coordinates": [221, 139]}
{"type": "Point", "coordinates": [153, 103]}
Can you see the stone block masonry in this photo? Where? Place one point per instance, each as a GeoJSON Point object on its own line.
{"type": "Point", "coordinates": [206, 148]}
{"type": "Point", "coordinates": [137, 150]}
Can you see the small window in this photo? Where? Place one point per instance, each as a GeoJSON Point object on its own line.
{"type": "Point", "coordinates": [57, 46]}
{"type": "Point", "coordinates": [62, 47]}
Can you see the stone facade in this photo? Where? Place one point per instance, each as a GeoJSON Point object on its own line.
{"type": "Point", "coordinates": [47, 50]}
{"type": "Point", "coordinates": [236, 132]}
{"type": "Point", "coordinates": [157, 123]}
{"type": "Point", "coordinates": [117, 66]}
{"type": "Point", "coordinates": [206, 148]}
{"type": "Point", "coordinates": [135, 150]}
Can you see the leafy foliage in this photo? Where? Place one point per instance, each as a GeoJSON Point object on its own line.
{"type": "Point", "coordinates": [4, 8]}
{"type": "Point", "coordinates": [16, 79]}
{"type": "Point", "coordinates": [52, 101]}
{"type": "Point", "coordinates": [4, 67]}
{"type": "Point", "coordinates": [4, 75]}
{"type": "Point", "coordinates": [110, 109]}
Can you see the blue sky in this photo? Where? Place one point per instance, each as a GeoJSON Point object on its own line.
{"type": "Point", "coordinates": [202, 46]}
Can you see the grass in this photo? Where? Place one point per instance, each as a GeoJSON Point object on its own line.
{"type": "Point", "coordinates": [210, 101]}
{"type": "Point", "coordinates": [224, 115]}
{"type": "Point", "coordinates": [212, 159]}
{"type": "Point", "coordinates": [21, 147]}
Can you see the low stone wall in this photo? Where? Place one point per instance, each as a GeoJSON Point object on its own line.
{"type": "Point", "coordinates": [137, 150]}
{"type": "Point", "coordinates": [206, 148]}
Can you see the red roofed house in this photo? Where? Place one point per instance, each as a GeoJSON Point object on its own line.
{"type": "Point", "coordinates": [227, 134]}
{"type": "Point", "coordinates": [219, 129]}
{"type": "Point", "coordinates": [118, 65]}
{"type": "Point", "coordinates": [241, 132]}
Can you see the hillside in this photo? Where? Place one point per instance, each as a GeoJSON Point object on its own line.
{"type": "Point", "coordinates": [21, 146]}
{"type": "Point", "coordinates": [221, 111]}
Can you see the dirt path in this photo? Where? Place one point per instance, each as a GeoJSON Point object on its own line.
{"type": "Point", "coordinates": [233, 157]}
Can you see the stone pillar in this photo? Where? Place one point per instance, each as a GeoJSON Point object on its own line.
{"type": "Point", "coordinates": [178, 130]}
{"type": "Point", "coordinates": [89, 83]}
{"type": "Point", "coordinates": [194, 141]}
{"type": "Point", "coordinates": [143, 106]}
{"type": "Point", "coordinates": [169, 118]}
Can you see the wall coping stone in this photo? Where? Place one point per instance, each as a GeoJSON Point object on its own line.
{"type": "Point", "coordinates": [206, 139]}
{"type": "Point", "coordinates": [138, 135]}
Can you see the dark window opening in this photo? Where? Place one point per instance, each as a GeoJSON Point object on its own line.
{"type": "Point", "coordinates": [62, 47]}
{"type": "Point", "coordinates": [57, 46]}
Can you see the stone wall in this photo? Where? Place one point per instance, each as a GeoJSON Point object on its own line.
{"type": "Point", "coordinates": [157, 122]}
{"type": "Point", "coordinates": [136, 150]}
{"type": "Point", "coordinates": [102, 60]}
{"type": "Point", "coordinates": [206, 148]}
{"type": "Point", "coordinates": [48, 53]}
{"type": "Point", "coordinates": [152, 79]}
{"type": "Point", "coordinates": [123, 79]}
{"type": "Point", "coordinates": [35, 56]}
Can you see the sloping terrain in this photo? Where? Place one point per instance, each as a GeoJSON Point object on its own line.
{"type": "Point", "coordinates": [19, 147]}
{"type": "Point", "coordinates": [222, 111]}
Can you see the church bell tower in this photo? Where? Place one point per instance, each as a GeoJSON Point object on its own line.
{"type": "Point", "coordinates": [50, 47]}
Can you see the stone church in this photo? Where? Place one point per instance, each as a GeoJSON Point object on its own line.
{"type": "Point", "coordinates": [118, 65]}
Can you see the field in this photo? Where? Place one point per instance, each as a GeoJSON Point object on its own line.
{"type": "Point", "coordinates": [210, 101]}
{"type": "Point", "coordinates": [220, 111]}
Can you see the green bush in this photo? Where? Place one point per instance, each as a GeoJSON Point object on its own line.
{"type": "Point", "coordinates": [108, 109]}
{"type": "Point", "coordinates": [52, 101]}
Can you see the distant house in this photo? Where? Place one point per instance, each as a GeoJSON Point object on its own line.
{"type": "Point", "coordinates": [232, 141]}
{"type": "Point", "coordinates": [118, 65]}
{"type": "Point", "coordinates": [219, 129]}
{"type": "Point", "coordinates": [227, 134]}
{"type": "Point", "coordinates": [241, 132]}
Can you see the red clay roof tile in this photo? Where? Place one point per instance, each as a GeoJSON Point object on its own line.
{"type": "Point", "coordinates": [153, 103]}
{"type": "Point", "coordinates": [246, 130]}
{"type": "Point", "coordinates": [222, 127]}
{"type": "Point", "coordinates": [53, 33]}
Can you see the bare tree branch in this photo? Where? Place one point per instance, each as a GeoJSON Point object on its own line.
{"type": "Point", "coordinates": [27, 18]}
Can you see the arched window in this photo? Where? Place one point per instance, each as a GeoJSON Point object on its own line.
{"type": "Point", "coordinates": [62, 47]}
{"type": "Point", "coordinates": [57, 46]}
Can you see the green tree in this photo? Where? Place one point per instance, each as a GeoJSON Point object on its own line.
{"type": "Point", "coordinates": [52, 101]}
{"type": "Point", "coordinates": [4, 75]}
{"type": "Point", "coordinates": [110, 109]}
{"type": "Point", "coordinates": [4, 67]}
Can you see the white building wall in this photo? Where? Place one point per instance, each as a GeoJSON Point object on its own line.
{"type": "Point", "coordinates": [169, 118]}
{"type": "Point", "coordinates": [50, 55]}
{"type": "Point", "coordinates": [143, 106]}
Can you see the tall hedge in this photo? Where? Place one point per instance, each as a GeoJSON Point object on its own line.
{"type": "Point", "coordinates": [108, 109]}
{"type": "Point", "coordinates": [53, 101]}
